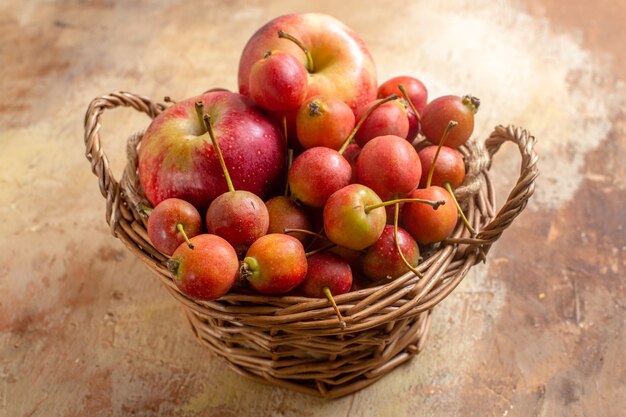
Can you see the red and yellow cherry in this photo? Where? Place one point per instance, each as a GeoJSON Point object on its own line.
{"type": "Point", "coordinates": [328, 275]}
{"type": "Point", "coordinates": [425, 224]}
{"type": "Point", "coordinates": [389, 165]}
{"type": "Point", "coordinates": [449, 166]}
{"type": "Point", "coordinates": [278, 82]}
{"type": "Point", "coordinates": [238, 216]}
{"type": "Point", "coordinates": [316, 174]}
{"type": "Point", "coordinates": [324, 121]}
{"type": "Point", "coordinates": [415, 89]}
{"type": "Point", "coordinates": [206, 272]}
{"type": "Point", "coordinates": [172, 222]}
{"type": "Point", "coordinates": [383, 261]}
{"type": "Point", "coordinates": [275, 264]}
{"type": "Point", "coordinates": [348, 221]}
{"type": "Point", "coordinates": [390, 118]}
{"type": "Point", "coordinates": [285, 214]}
{"type": "Point", "coordinates": [441, 110]}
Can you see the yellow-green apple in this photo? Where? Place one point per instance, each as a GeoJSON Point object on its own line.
{"type": "Point", "coordinates": [177, 158]}
{"type": "Point", "coordinates": [342, 64]}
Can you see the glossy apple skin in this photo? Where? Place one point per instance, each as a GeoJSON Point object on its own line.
{"type": "Point", "coordinates": [345, 221]}
{"type": "Point", "coordinates": [390, 166]}
{"type": "Point", "coordinates": [449, 166]}
{"type": "Point", "coordinates": [240, 217]}
{"type": "Point", "coordinates": [164, 219]}
{"type": "Point", "coordinates": [176, 157]}
{"type": "Point", "coordinates": [389, 119]}
{"type": "Point", "coordinates": [326, 269]}
{"type": "Point", "coordinates": [324, 121]}
{"type": "Point", "coordinates": [209, 270]}
{"type": "Point", "coordinates": [425, 224]}
{"type": "Point", "coordinates": [277, 263]}
{"type": "Point", "coordinates": [285, 214]}
{"type": "Point", "coordinates": [278, 82]}
{"type": "Point", "coordinates": [343, 65]}
{"type": "Point", "coordinates": [442, 110]}
{"type": "Point", "coordinates": [316, 174]}
{"type": "Point", "coordinates": [415, 89]}
{"type": "Point", "coordinates": [382, 260]}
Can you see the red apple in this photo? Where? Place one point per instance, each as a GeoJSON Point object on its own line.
{"type": "Point", "coordinates": [342, 64]}
{"type": "Point", "coordinates": [177, 159]}
{"type": "Point", "coordinates": [382, 260]}
{"type": "Point", "coordinates": [390, 118]}
{"type": "Point", "coordinates": [416, 90]}
{"type": "Point", "coordinates": [285, 214]}
{"type": "Point", "coordinates": [426, 224]}
{"type": "Point", "coordinates": [438, 114]}
{"type": "Point", "coordinates": [324, 121]}
{"type": "Point", "coordinates": [449, 166]}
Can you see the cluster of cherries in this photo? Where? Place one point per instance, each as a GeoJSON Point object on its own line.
{"type": "Point", "coordinates": [359, 197]}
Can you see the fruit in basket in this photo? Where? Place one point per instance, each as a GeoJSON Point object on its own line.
{"type": "Point", "coordinates": [388, 119]}
{"type": "Point", "coordinates": [441, 110]}
{"type": "Point", "coordinates": [339, 63]}
{"type": "Point", "coordinates": [172, 222]}
{"type": "Point", "coordinates": [402, 167]}
{"type": "Point", "coordinates": [328, 275]}
{"type": "Point", "coordinates": [449, 166]}
{"type": "Point", "coordinates": [177, 159]}
{"type": "Point", "coordinates": [324, 121]}
{"type": "Point", "coordinates": [238, 216]}
{"type": "Point", "coordinates": [285, 214]}
{"type": "Point", "coordinates": [415, 89]}
{"type": "Point", "coordinates": [350, 220]}
{"type": "Point", "coordinates": [316, 174]}
{"type": "Point", "coordinates": [425, 224]}
{"type": "Point", "coordinates": [382, 260]}
{"type": "Point", "coordinates": [206, 272]}
{"type": "Point", "coordinates": [278, 82]}
{"type": "Point", "coordinates": [275, 264]}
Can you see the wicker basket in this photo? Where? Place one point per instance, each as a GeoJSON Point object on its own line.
{"type": "Point", "coordinates": [296, 342]}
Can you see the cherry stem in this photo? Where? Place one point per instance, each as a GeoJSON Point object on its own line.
{"type": "Point", "coordinates": [330, 297]}
{"type": "Point", "coordinates": [435, 204]}
{"type": "Point", "coordinates": [448, 187]}
{"type": "Point", "coordinates": [181, 229]}
{"type": "Point", "coordinates": [408, 100]}
{"type": "Point", "coordinates": [207, 123]}
{"type": "Point", "coordinates": [318, 250]}
{"type": "Point", "coordinates": [451, 124]}
{"type": "Point", "coordinates": [285, 128]}
{"type": "Point", "coordinates": [168, 99]}
{"type": "Point", "coordinates": [362, 120]}
{"type": "Point", "coordinates": [309, 58]}
{"type": "Point", "coordinates": [199, 113]}
{"type": "Point", "coordinates": [307, 232]}
{"type": "Point", "coordinates": [395, 238]}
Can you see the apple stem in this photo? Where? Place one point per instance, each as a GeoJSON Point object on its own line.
{"type": "Point", "coordinates": [435, 204]}
{"type": "Point", "coordinates": [207, 124]}
{"type": "Point", "coordinates": [473, 103]}
{"type": "Point", "coordinates": [181, 229]}
{"type": "Point", "coordinates": [309, 58]}
{"type": "Point", "coordinates": [451, 124]}
{"type": "Point", "coordinates": [448, 187]}
{"type": "Point", "coordinates": [395, 238]}
{"type": "Point", "coordinates": [199, 105]}
{"type": "Point", "coordinates": [362, 120]}
{"type": "Point", "coordinates": [307, 232]}
{"type": "Point", "coordinates": [318, 250]}
{"type": "Point", "coordinates": [408, 100]}
{"type": "Point", "coordinates": [330, 297]}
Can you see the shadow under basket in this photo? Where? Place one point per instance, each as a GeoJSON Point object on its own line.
{"type": "Point", "coordinates": [296, 342]}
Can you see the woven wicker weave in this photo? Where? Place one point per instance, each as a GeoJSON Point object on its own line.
{"type": "Point", "coordinates": [296, 342]}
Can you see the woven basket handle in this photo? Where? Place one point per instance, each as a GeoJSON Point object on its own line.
{"type": "Point", "coordinates": [109, 186]}
{"type": "Point", "coordinates": [524, 188]}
